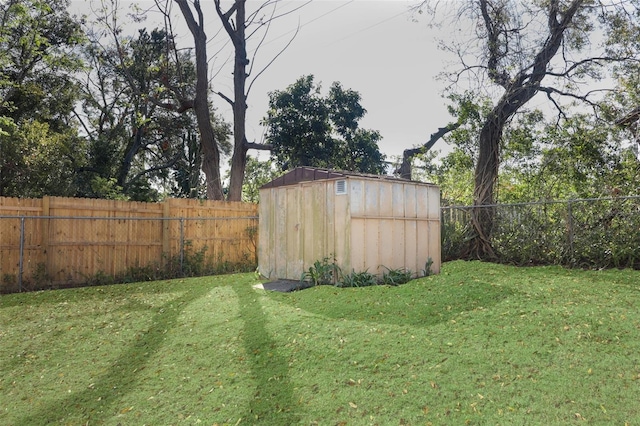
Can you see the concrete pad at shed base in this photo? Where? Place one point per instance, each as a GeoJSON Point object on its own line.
{"type": "Point", "coordinates": [284, 286]}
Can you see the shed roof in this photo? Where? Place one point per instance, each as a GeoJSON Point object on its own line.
{"type": "Point", "coordinates": [307, 174]}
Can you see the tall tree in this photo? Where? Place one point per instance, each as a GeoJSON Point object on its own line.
{"type": "Point", "coordinates": [240, 25]}
{"type": "Point", "coordinates": [308, 129]}
{"type": "Point", "coordinates": [38, 59]}
{"type": "Point", "coordinates": [237, 34]}
{"type": "Point", "coordinates": [133, 119]}
{"type": "Point", "coordinates": [200, 101]}
{"type": "Point", "coordinates": [526, 48]}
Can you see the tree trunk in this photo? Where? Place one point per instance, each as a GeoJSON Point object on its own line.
{"type": "Point", "coordinates": [519, 90]}
{"type": "Point", "coordinates": [132, 149]}
{"type": "Point", "coordinates": [208, 142]}
{"type": "Point", "coordinates": [486, 177]}
{"type": "Point", "coordinates": [239, 158]}
{"type": "Point", "coordinates": [237, 34]}
{"type": "Point", "coordinates": [210, 152]}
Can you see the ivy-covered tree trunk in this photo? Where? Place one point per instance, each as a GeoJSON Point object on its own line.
{"type": "Point", "coordinates": [518, 90]}
{"type": "Point", "coordinates": [486, 177]}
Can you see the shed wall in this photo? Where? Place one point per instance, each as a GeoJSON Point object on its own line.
{"type": "Point", "coordinates": [394, 225]}
{"type": "Point", "coordinates": [300, 224]}
{"type": "Point", "coordinates": [377, 224]}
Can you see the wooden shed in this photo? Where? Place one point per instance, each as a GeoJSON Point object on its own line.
{"type": "Point", "coordinates": [366, 222]}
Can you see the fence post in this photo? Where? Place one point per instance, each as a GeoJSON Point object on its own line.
{"type": "Point", "coordinates": [166, 230]}
{"type": "Point", "coordinates": [46, 212]}
{"type": "Point", "coordinates": [570, 227]}
{"type": "Point", "coordinates": [182, 245]}
{"type": "Point", "coordinates": [21, 262]}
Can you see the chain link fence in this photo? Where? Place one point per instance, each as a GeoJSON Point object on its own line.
{"type": "Point", "coordinates": [584, 233]}
{"type": "Point", "coordinates": [40, 252]}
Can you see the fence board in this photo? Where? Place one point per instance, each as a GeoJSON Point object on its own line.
{"type": "Point", "coordinates": [70, 240]}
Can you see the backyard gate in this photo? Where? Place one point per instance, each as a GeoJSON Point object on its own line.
{"type": "Point", "coordinates": [364, 222]}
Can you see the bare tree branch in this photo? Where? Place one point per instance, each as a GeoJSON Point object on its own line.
{"type": "Point", "coordinates": [288, 12]}
{"type": "Point", "coordinates": [264, 36]}
{"type": "Point", "coordinates": [286, 46]}
{"type": "Point", "coordinates": [583, 98]}
{"type": "Point", "coordinates": [405, 168]}
{"type": "Point", "coordinates": [630, 118]}
{"type": "Point", "coordinates": [259, 146]}
{"type": "Point", "coordinates": [595, 60]}
{"type": "Point", "coordinates": [226, 98]}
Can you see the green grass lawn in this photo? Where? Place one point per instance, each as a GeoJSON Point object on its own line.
{"type": "Point", "coordinates": [478, 344]}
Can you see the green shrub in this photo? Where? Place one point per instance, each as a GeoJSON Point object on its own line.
{"type": "Point", "coordinates": [322, 272]}
{"type": "Point", "coordinates": [590, 234]}
{"type": "Point", "coordinates": [396, 276]}
{"type": "Point", "coordinates": [427, 268]}
{"type": "Point", "coordinates": [358, 279]}
{"type": "Point", "coordinates": [9, 284]}
{"type": "Point", "coordinates": [151, 272]}
{"type": "Point", "coordinates": [101, 278]}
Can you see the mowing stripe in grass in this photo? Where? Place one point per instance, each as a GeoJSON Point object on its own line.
{"type": "Point", "coordinates": [477, 344]}
{"type": "Point", "coordinates": [121, 378]}
{"type": "Point", "coordinates": [273, 398]}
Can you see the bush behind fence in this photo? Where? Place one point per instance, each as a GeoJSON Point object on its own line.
{"type": "Point", "coordinates": [584, 233]}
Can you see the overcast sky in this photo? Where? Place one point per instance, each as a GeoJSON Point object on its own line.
{"type": "Point", "coordinates": [376, 47]}
{"type": "Point", "coordinates": [373, 47]}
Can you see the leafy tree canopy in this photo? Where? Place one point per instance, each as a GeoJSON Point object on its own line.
{"type": "Point", "coordinates": [39, 146]}
{"type": "Point", "coordinates": [577, 157]}
{"type": "Point", "coordinates": [37, 60]}
{"type": "Point", "coordinates": [257, 174]}
{"type": "Point", "coordinates": [306, 128]}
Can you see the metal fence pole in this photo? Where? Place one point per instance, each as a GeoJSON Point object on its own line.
{"type": "Point", "coordinates": [21, 262]}
{"type": "Point", "coordinates": [570, 226]}
{"type": "Point", "coordinates": [182, 245]}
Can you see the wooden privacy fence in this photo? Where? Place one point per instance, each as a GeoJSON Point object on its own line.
{"type": "Point", "coordinates": [71, 240]}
